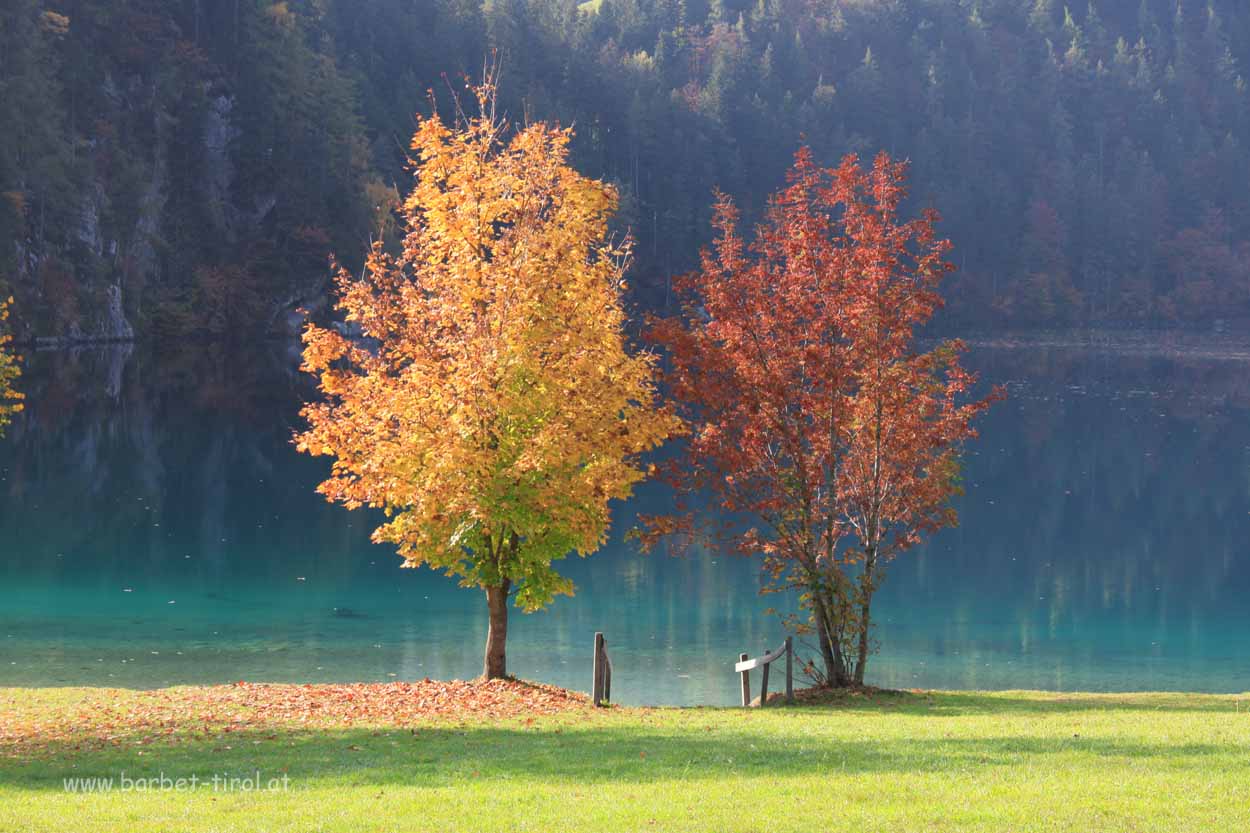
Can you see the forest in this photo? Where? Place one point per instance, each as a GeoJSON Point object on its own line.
{"type": "Point", "coordinates": [180, 168]}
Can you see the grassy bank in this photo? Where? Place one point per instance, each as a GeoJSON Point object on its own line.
{"type": "Point", "coordinates": [918, 761]}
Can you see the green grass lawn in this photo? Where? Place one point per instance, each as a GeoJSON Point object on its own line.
{"type": "Point", "coordinates": [1015, 761]}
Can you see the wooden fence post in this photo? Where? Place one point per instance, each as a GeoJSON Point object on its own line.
{"type": "Point", "coordinates": [789, 669]}
{"type": "Point", "coordinates": [763, 661]}
{"type": "Point", "coordinates": [607, 674]}
{"type": "Point", "coordinates": [746, 683]}
{"type": "Point", "coordinates": [597, 684]}
{"type": "Point", "coordinates": [764, 683]}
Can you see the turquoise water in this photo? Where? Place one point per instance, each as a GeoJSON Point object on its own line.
{"type": "Point", "coordinates": [157, 527]}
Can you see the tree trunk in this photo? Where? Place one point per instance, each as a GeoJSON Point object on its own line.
{"type": "Point", "coordinates": [830, 648]}
{"type": "Point", "coordinates": [496, 665]}
{"type": "Point", "coordinates": [868, 586]}
{"type": "Point", "coordinates": [843, 678]}
{"type": "Point", "coordinates": [864, 622]}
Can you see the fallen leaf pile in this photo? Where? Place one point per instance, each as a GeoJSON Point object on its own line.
{"type": "Point", "coordinates": [107, 717]}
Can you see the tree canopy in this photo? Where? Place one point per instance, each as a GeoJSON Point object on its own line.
{"type": "Point", "coordinates": [490, 404]}
{"type": "Point", "coordinates": [828, 442]}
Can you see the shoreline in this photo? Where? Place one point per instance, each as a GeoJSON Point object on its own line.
{"type": "Point", "coordinates": [481, 696]}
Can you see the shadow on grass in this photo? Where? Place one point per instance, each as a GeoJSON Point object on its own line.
{"type": "Point", "coordinates": [590, 753]}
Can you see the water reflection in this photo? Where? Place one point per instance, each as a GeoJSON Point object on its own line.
{"type": "Point", "coordinates": [1103, 536]}
{"type": "Point", "coordinates": [157, 527]}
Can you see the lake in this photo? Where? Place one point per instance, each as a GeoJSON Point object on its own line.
{"type": "Point", "coordinates": [158, 528]}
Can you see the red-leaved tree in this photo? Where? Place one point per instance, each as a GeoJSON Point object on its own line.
{"type": "Point", "coordinates": [828, 443]}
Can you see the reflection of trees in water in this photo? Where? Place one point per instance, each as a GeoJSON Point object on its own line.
{"type": "Point", "coordinates": [142, 457]}
{"type": "Point", "coordinates": [696, 598]}
{"type": "Point", "coordinates": [10, 372]}
{"type": "Point", "coordinates": [1109, 485]}
{"type": "Point", "coordinates": [1109, 475]}
{"type": "Point", "coordinates": [128, 460]}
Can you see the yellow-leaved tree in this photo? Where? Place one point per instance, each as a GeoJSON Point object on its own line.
{"type": "Point", "coordinates": [484, 395]}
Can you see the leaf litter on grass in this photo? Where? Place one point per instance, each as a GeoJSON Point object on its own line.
{"type": "Point", "coordinates": [118, 718]}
